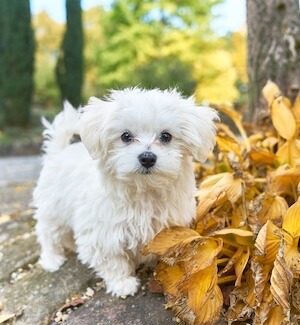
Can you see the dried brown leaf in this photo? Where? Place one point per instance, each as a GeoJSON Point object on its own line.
{"type": "Point", "coordinates": [281, 282]}
{"type": "Point", "coordinates": [237, 237]}
{"type": "Point", "coordinates": [270, 92]}
{"type": "Point", "coordinates": [205, 255]}
{"type": "Point", "coordinates": [210, 310]}
{"type": "Point", "coordinates": [169, 277]}
{"type": "Point", "coordinates": [283, 119]}
{"type": "Point", "coordinates": [170, 240]}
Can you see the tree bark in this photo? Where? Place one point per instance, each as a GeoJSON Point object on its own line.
{"type": "Point", "coordinates": [273, 50]}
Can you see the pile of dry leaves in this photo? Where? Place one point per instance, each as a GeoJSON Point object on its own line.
{"type": "Point", "coordinates": [240, 260]}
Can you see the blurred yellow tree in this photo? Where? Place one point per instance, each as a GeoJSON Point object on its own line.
{"type": "Point", "coordinates": [133, 43]}
{"type": "Point", "coordinates": [238, 48]}
{"type": "Point", "coordinates": [48, 34]}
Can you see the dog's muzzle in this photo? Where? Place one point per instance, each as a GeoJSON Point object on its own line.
{"type": "Point", "coordinates": [147, 159]}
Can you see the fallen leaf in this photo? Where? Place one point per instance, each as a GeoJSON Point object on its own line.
{"type": "Point", "coordinates": [210, 310]}
{"type": "Point", "coordinates": [271, 92]}
{"type": "Point", "coordinates": [291, 220]}
{"type": "Point", "coordinates": [236, 236]}
{"type": "Point", "coordinates": [281, 282]}
{"type": "Point", "coordinates": [296, 108]}
{"type": "Point", "coordinates": [205, 255]}
{"type": "Point", "coordinates": [169, 277]}
{"type": "Point", "coordinates": [199, 287]}
{"type": "Point", "coordinates": [240, 265]}
{"type": "Point", "coordinates": [170, 239]}
{"type": "Point", "coordinates": [267, 243]}
{"type": "Point", "coordinates": [282, 117]}
{"type": "Point", "coordinates": [262, 156]}
{"type": "Point", "coordinates": [276, 316]}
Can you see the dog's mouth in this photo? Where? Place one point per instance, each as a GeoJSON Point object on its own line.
{"type": "Point", "coordinates": [145, 171]}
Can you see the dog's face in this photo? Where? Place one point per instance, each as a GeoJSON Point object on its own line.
{"type": "Point", "coordinates": [145, 133]}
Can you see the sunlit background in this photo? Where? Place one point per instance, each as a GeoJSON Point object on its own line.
{"type": "Point", "coordinates": [208, 59]}
{"type": "Point", "coordinates": [197, 46]}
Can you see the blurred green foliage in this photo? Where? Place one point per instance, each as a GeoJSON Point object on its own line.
{"type": "Point", "coordinates": [147, 43]}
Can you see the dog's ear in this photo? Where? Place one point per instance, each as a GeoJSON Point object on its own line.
{"type": "Point", "coordinates": [92, 125]}
{"type": "Point", "coordinates": [198, 129]}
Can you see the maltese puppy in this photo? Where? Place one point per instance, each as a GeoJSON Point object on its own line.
{"type": "Point", "coordinates": [129, 177]}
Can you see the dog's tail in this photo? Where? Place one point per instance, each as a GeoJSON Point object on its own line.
{"type": "Point", "coordinates": [60, 133]}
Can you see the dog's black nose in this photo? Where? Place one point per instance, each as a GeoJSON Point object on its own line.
{"type": "Point", "coordinates": [147, 159]}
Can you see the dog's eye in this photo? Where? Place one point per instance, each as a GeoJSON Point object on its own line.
{"type": "Point", "coordinates": [127, 137]}
{"type": "Point", "coordinates": [165, 137]}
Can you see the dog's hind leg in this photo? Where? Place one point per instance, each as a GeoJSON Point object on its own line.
{"type": "Point", "coordinates": [52, 251]}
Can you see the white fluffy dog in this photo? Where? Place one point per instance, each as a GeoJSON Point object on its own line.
{"type": "Point", "coordinates": [131, 176]}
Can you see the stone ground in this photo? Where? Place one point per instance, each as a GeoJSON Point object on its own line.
{"type": "Point", "coordinates": [30, 296]}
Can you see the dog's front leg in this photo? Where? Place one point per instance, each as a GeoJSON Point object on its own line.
{"type": "Point", "coordinates": [113, 265]}
{"type": "Point", "coordinates": [118, 273]}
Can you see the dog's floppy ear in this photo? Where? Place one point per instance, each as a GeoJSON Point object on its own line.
{"type": "Point", "coordinates": [92, 124]}
{"type": "Point", "coordinates": [198, 129]}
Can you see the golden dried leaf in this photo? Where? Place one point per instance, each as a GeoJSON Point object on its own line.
{"type": "Point", "coordinates": [209, 223]}
{"type": "Point", "coordinates": [284, 180]}
{"type": "Point", "coordinates": [237, 119]}
{"type": "Point", "coordinates": [240, 266]}
{"type": "Point", "coordinates": [267, 243]}
{"type": "Point", "coordinates": [199, 287]}
{"type": "Point", "coordinates": [291, 220]}
{"type": "Point", "coordinates": [205, 256]}
{"type": "Point", "coordinates": [283, 119]}
{"type": "Point", "coordinates": [264, 307]}
{"type": "Point", "coordinates": [274, 207]}
{"type": "Point", "coordinates": [224, 129]}
{"type": "Point", "coordinates": [291, 253]}
{"type": "Point", "coordinates": [296, 108]}
{"type": "Point", "coordinates": [270, 143]}
{"type": "Point", "coordinates": [281, 281]}
{"type": "Point", "coordinates": [169, 277]}
{"type": "Point", "coordinates": [276, 316]}
{"type": "Point", "coordinates": [238, 217]}
{"type": "Point", "coordinates": [210, 310]}
{"type": "Point", "coordinates": [235, 191]}
{"type": "Point", "coordinates": [289, 153]}
{"type": "Point", "coordinates": [239, 309]}
{"type": "Point", "coordinates": [270, 92]}
{"type": "Point", "coordinates": [237, 237]}
{"type": "Point", "coordinates": [171, 239]}
{"type": "Point", "coordinates": [215, 190]}
{"type": "Point", "coordinates": [256, 137]}
{"type": "Point", "coordinates": [228, 144]}
{"type": "Point", "coordinates": [234, 258]}
{"type": "Point", "coordinates": [262, 156]}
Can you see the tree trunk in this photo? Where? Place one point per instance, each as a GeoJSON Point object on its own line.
{"type": "Point", "coordinates": [273, 50]}
{"type": "Point", "coordinates": [69, 68]}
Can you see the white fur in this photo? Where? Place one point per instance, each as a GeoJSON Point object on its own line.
{"type": "Point", "coordinates": [109, 206]}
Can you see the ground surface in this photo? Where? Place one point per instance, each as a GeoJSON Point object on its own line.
{"type": "Point", "coordinates": [30, 296]}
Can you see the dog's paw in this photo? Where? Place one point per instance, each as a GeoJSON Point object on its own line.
{"type": "Point", "coordinates": [123, 287]}
{"type": "Point", "coordinates": [53, 263]}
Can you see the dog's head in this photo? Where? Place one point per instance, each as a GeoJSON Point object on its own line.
{"type": "Point", "coordinates": [146, 133]}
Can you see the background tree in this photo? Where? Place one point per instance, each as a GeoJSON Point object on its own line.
{"type": "Point", "coordinates": [48, 35]}
{"type": "Point", "coordinates": [273, 49]}
{"type": "Point", "coordinates": [69, 67]}
{"type": "Point", "coordinates": [143, 38]}
{"type": "Point", "coordinates": [16, 61]}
